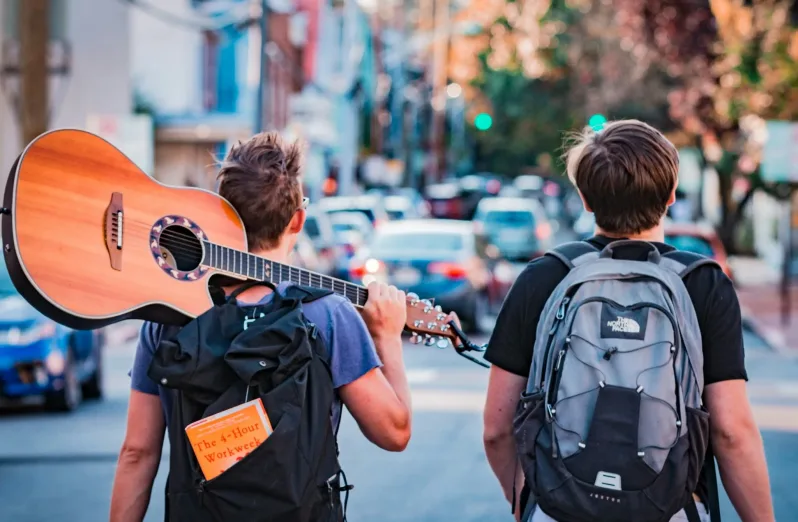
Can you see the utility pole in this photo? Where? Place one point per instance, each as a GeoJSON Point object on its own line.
{"type": "Point", "coordinates": [34, 38]}
{"type": "Point", "coordinates": [261, 106]}
{"type": "Point", "coordinates": [440, 71]}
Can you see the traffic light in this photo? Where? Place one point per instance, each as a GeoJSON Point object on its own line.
{"type": "Point", "coordinates": [597, 122]}
{"type": "Point", "coordinates": [483, 121]}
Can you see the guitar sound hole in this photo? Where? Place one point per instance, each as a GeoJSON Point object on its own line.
{"type": "Point", "coordinates": [180, 248]}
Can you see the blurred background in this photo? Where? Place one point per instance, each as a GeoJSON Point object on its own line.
{"type": "Point", "coordinates": [434, 131]}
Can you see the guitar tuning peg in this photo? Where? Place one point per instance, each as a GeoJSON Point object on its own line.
{"type": "Point", "coordinates": [429, 341]}
{"type": "Point", "coordinates": [438, 308]}
{"type": "Point", "coordinates": [426, 302]}
{"type": "Point", "coordinates": [415, 339]}
{"type": "Point", "coordinates": [413, 298]}
{"type": "Point", "coordinates": [442, 343]}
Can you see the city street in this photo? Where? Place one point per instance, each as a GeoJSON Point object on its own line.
{"type": "Point", "coordinates": [60, 467]}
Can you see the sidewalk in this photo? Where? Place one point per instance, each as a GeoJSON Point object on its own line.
{"type": "Point", "coordinates": [758, 287]}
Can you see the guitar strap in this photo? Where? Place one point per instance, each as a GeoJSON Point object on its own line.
{"type": "Point", "coordinates": [219, 298]}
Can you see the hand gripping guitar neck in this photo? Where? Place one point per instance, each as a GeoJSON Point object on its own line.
{"type": "Point", "coordinates": [427, 321]}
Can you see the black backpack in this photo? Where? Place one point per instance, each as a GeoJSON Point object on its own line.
{"type": "Point", "coordinates": [230, 355]}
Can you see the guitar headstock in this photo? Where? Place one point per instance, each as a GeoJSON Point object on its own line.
{"type": "Point", "coordinates": [428, 323]}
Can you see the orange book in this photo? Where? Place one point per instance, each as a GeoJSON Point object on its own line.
{"type": "Point", "coordinates": [221, 440]}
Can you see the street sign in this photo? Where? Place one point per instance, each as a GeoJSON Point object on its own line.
{"type": "Point", "coordinates": [131, 133]}
{"type": "Point", "coordinates": [780, 153]}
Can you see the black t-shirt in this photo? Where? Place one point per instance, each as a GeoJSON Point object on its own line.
{"type": "Point", "coordinates": [712, 293]}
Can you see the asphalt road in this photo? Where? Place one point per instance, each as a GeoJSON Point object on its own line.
{"type": "Point", "coordinates": [60, 467]}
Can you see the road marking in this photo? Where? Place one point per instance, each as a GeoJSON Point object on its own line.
{"type": "Point", "coordinates": [421, 376]}
{"type": "Point", "coordinates": [448, 400]}
{"type": "Point", "coordinates": [768, 416]}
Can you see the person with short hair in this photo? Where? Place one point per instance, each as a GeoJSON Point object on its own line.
{"type": "Point", "coordinates": [626, 175]}
{"type": "Point", "coordinates": [261, 179]}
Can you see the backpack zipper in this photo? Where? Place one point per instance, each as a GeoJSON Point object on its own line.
{"type": "Point", "coordinates": [558, 318]}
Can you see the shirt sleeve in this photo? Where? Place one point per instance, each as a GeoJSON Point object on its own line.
{"type": "Point", "coordinates": [148, 341]}
{"type": "Point", "coordinates": [513, 338]}
{"type": "Point", "coordinates": [720, 322]}
{"type": "Point", "coordinates": [352, 351]}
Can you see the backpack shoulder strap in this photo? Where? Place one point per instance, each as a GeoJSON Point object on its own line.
{"type": "Point", "coordinates": [574, 253]}
{"type": "Point", "coordinates": [683, 263]}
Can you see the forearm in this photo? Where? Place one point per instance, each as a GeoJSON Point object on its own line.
{"type": "Point", "coordinates": [501, 453]}
{"type": "Point", "coordinates": [133, 481]}
{"type": "Point", "coordinates": [394, 369]}
{"type": "Point", "coordinates": [743, 470]}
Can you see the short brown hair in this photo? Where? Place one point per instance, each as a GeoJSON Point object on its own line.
{"type": "Point", "coordinates": [260, 178]}
{"type": "Point", "coordinates": [626, 173]}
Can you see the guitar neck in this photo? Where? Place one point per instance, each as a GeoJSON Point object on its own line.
{"type": "Point", "coordinates": [250, 266]}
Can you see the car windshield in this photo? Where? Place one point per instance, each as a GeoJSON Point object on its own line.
{"type": "Point", "coordinates": [509, 218]}
{"type": "Point", "coordinates": [396, 214]}
{"type": "Point", "coordinates": [6, 286]}
{"type": "Point", "coordinates": [689, 243]}
{"type": "Point", "coordinates": [417, 244]}
{"type": "Point", "coordinates": [367, 211]}
{"type": "Point", "coordinates": [345, 226]}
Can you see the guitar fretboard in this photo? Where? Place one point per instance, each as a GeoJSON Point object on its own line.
{"type": "Point", "coordinates": [257, 268]}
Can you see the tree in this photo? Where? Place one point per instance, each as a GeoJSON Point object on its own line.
{"type": "Point", "coordinates": [546, 67]}
{"type": "Point", "coordinates": [734, 64]}
{"type": "Point", "coordinates": [34, 38]}
{"type": "Point", "coordinates": [528, 119]}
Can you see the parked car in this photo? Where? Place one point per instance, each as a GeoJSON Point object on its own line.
{"type": "Point", "coordinates": [355, 222]}
{"type": "Point", "coordinates": [474, 188]}
{"type": "Point", "coordinates": [402, 207]}
{"type": "Point", "coordinates": [700, 238]}
{"type": "Point", "coordinates": [306, 256]}
{"type": "Point", "coordinates": [445, 201]}
{"type": "Point", "coordinates": [518, 227]}
{"type": "Point", "coordinates": [440, 259]}
{"type": "Point", "coordinates": [402, 202]}
{"type": "Point", "coordinates": [585, 225]}
{"type": "Point", "coordinates": [41, 358]}
{"type": "Point", "coordinates": [352, 230]}
{"type": "Point", "coordinates": [370, 205]}
{"type": "Point", "coordinates": [319, 230]}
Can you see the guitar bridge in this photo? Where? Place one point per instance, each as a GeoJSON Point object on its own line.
{"type": "Point", "coordinates": [114, 227]}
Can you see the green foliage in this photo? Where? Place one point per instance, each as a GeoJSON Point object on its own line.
{"type": "Point", "coordinates": [529, 117]}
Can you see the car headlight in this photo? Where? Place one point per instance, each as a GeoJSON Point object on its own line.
{"type": "Point", "coordinates": [16, 336]}
{"type": "Point", "coordinates": [55, 362]}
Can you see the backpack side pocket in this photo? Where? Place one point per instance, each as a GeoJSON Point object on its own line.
{"type": "Point", "coordinates": [529, 419]}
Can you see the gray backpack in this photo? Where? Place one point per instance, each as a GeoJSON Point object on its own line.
{"type": "Point", "coordinates": [611, 427]}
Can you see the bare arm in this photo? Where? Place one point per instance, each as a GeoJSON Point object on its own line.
{"type": "Point", "coordinates": [504, 390]}
{"type": "Point", "coordinates": [138, 459]}
{"type": "Point", "coordinates": [738, 448]}
{"type": "Point", "coordinates": [380, 400]}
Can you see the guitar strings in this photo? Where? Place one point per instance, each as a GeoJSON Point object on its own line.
{"type": "Point", "coordinates": [184, 245]}
{"type": "Point", "coordinates": [179, 244]}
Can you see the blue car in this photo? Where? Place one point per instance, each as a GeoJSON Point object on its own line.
{"type": "Point", "coordinates": [39, 357]}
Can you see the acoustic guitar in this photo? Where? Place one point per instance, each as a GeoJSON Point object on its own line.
{"type": "Point", "coordinates": [90, 240]}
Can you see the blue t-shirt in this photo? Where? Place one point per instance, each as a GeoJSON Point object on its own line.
{"type": "Point", "coordinates": [352, 352]}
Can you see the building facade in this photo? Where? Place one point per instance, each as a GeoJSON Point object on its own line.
{"type": "Point", "coordinates": [98, 77]}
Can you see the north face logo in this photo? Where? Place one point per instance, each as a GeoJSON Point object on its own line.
{"type": "Point", "coordinates": [624, 324]}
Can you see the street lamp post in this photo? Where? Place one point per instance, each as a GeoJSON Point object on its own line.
{"type": "Point", "coordinates": [261, 107]}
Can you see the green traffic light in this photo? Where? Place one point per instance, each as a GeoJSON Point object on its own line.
{"type": "Point", "coordinates": [597, 122]}
{"type": "Point", "coordinates": [483, 121]}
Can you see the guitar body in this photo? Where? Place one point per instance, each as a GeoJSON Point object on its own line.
{"type": "Point", "coordinates": [89, 239]}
